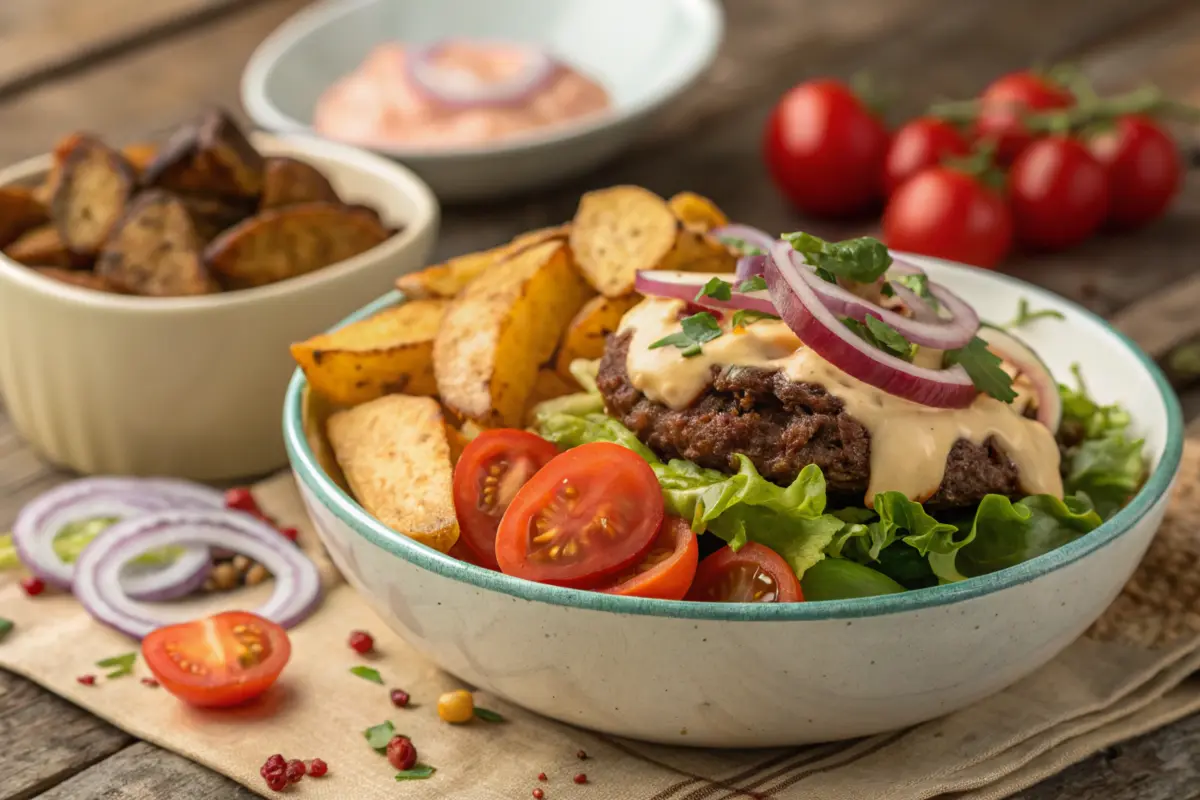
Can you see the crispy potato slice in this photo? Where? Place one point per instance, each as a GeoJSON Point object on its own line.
{"type": "Point", "coordinates": [546, 386]}
{"type": "Point", "coordinates": [396, 459]}
{"type": "Point", "coordinates": [315, 412]}
{"type": "Point", "coordinates": [93, 190]}
{"type": "Point", "coordinates": [499, 331]}
{"type": "Point", "coordinates": [287, 182]}
{"type": "Point", "coordinates": [589, 329]}
{"type": "Point", "coordinates": [40, 247]}
{"type": "Point", "coordinates": [451, 277]}
{"type": "Point", "coordinates": [20, 211]}
{"type": "Point", "coordinates": [82, 278]}
{"type": "Point", "coordinates": [390, 352]}
{"type": "Point", "coordinates": [155, 250]}
{"type": "Point", "coordinates": [62, 148]}
{"type": "Point", "coordinates": [619, 231]}
{"type": "Point", "coordinates": [282, 243]}
{"type": "Point", "coordinates": [697, 212]}
{"type": "Point", "coordinates": [210, 155]}
{"type": "Point", "coordinates": [698, 252]}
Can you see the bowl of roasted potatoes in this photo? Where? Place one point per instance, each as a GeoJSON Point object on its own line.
{"type": "Point", "coordinates": [148, 293]}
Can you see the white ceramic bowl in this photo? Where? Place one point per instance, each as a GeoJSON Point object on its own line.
{"type": "Point", "coordinates": [644, 53]}
{"type": "Point", "coordinates": [190, 386]}
{"type": "Point", "coordinates": [750, 675]}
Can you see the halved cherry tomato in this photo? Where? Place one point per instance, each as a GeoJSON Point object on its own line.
{"type": "Point", "coordinates": [222, 660]}
{"type": "Point", "coordinates": [588, 514]}
{"type": "Point", "coordinates": [1006, 100]}
{"type": "Point", "coordinates": [493, 466]}
{"type": "Point", "coordinates": [754, 574]}
{"type": "Point", "coordinates": [667, 570]}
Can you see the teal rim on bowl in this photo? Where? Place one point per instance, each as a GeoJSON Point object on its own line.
{"type": "Point", "coordinates": [348, 511]}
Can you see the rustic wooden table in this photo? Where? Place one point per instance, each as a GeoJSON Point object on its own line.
{"type": "Point", "coordinates": [128, 69]}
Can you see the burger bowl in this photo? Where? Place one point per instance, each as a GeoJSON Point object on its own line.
{"type": "Point", "coordinates": [759, 675]}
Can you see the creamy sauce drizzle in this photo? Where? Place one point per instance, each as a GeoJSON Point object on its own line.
{"type": "Point", "coordinates": [909, 441]}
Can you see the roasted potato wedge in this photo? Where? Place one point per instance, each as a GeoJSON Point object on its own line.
{"type": "Point", "coordinates": [588, 330]}
{"type": "Point", "coordinates": [155, 250]}
{"type": "Point", "coordinates": [140, 155]}
{"type": "Point", "coordinates": [62, 148]}
{"type": "Point", "coordinates": [451, 277]}
{"type": "Point", "coordinates": [499, 331]}
{"type": "Point", "coordinates": [619, 231]}
{"type": "Point", "coordinates": [79, 277]}
{"type": "Point", "coordinates": [546, 386]}
{"type": "Point", "coordinates": [396, 458]}
{"type": "Point", "coordinates": [697, 212]}
{"type": "Point", "coordinates": [388, 353]}
{"type": "Point", "coordinates": [698, 252]}
{"type": "Point", "coordinates": [20, 211]}
{"type": "Point", "coordinates": [40, 247]}
{"type": "Point", "coordinates": [93, 189]}
{"type": "Point", "coordinates": [315, 412]}
{"type": "Point", "coordinates": [210, 155]}
{"type": "Point", "coordinates": [282, 243]}
{"type": "Point", "coordinates": [287, 182]}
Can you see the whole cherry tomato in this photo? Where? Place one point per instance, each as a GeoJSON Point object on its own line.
{"type": "Point", "coordinates": [1006, 100]}
{"type": "Point", "coordinates": [825, 150]}
{"type": "Point", "coordinates": [949, 213]}
{"type": "Point", "coordinates": [1059, 194]}
{"type": "Point", "coordinates": [921, 143]}
{"type": "Point", "coordinates": [1144, 170]}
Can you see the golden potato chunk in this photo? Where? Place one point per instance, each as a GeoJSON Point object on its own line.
{"type": "Point", "coordinates": [20, 211]}
{"type": "Point", "coordinates": [155, 250]}
{"type": "Point", "coordinates": [40, 247]}
{"type": "Point", "coordinates": [697, 212]}
{"type": "Point", "coordinates": [93, 189]}
{"type": "Point", "coordinates": [451, 277]}
{"type": "Point", "coordinates": [392, 352]}
{"type": "Point", "coordinates": [618, 232]}
{"type": "Point", "coordinates": [210, 155]}
{"type": "Point", "coordinates": [287, 182]}
{"type": "Point", "coordinates": [589, 329]}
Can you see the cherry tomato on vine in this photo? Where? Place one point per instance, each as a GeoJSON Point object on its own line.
{"type": "Point", "coordinates": [921, 143]}
{"type": "Point", "coordinates": [825, 150]}
{"type": "Point", "coordinates": [1144, 170]}
{"type": "Point", "coordinates": [948, 213]}
{"type": "Point", "coordinates": [1006, 100]}
{"type": "Point", "coordinates": [1058, 192]}
{"type": "Point", "coordinates": [753, 574]}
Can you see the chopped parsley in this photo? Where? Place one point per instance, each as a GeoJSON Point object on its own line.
{"type": "Point", "coordinates": [918, 285]}
{"type": "Point", "coordinates": [741, 246]}
{"type": "Point", "coordinates": [378, 736]}
{"type": "Point", "coordinates": [418, 773]}
{"type": "Point", "coordinates": [717, 289]}
{"type": "Point", "coordinates": [367, 674]}
{"type": "Point", "coordinates": [983, 367]}
{"type": "Point", "coordinates": [487, 715]}
{"type": "Point", "coordinates": [862, 260]}
{"type": "Point", "coordinates": [882, 336]}
{"type": "Point", "coordinates": [1025, 316]}
{"type": "Point", "coordinates": [747, 316]}
{"type": "Point", "coordinates": [122, 665]}
{"type": "Point", "coordinates": [756, 283]}
{"type": "Point", "coordinates": [697, 329]}
{"type": "Point", "coordinates": [6, 626]}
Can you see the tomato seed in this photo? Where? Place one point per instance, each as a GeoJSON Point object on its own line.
{"type": "Point", "coordinates": [296, 770]}
{"type": "Point", "coordinates": [401, 753]}
{"type": "Point", "coordinates": [87, 680]}
{"type": "Point", "coordinates": [33, 586]}
{"type": "Point", "coordinates": [400, 698]}
{"type": "Point", "coordinates": [361, 642]}
{"type": "Point", "coordinates": [581, 778]}
{"type": "Point", "coordinates": [317, 768]}
{"type": "Point", "coordinates": [241, 498]}
{"type": "Point", "coordinates": [538, 794]}
{"type": "Point", "coordinates": [542, 776]}
{"type": "Point", "coordinates": [582, 756]}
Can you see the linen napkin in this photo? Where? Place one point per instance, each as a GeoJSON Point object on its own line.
{"type": "Point", "coordinates": [1131, 673]}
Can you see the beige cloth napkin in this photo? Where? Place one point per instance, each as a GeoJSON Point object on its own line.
{"type": "Point", "coordinates": [1132, 673]}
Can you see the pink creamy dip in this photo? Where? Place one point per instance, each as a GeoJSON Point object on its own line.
{"type": "Point", "coordinates": [380, 104]}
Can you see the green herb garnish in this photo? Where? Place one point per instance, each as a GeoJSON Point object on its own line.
{"type": "Point", "coordinates": [123, 664]}
{"type": "Point", "coordinates": [367, 674]}
{"type": "Point", "coordinates": [378, 736]}
{"type": "Point", "coordinates": [757, 283]}
{"type": "Point", "coordinates": [983, 367]}
{"type": "Point", "coordinates": [745, 316]}
{"type": "Point", "coordinates": [697, 329]}
{"type": "Point", "coordinates": [418, 773]}
{"type": "Point", "coordinates": [862, 260]}
{"type": "Point", "coordinates": [1025, 316]}
{"type": "Point", "coordinates": [488, 716]}
{"type": "Point", "coordinates": [741, 246]}
{"type": "Point", "coordinates": [6, 626]}
{"type": "Point", "coordinates": [882, 336]}
{"type": "Point", "coordinates": [716, 289]}
{"type": "Point", "coordinates": [918, 285]}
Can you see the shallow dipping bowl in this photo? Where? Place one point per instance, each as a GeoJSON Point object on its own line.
{"type": "Point", "coordinates": [746, 675]}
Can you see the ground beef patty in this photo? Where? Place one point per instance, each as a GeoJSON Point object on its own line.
{"type": "Point", "coordinates": [782, 427]}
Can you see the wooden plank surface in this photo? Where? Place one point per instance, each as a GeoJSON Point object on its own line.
{"type": "Point", "coordinates": [918, 50]}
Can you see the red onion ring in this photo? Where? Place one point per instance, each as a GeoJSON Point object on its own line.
{"type": "Point", "coordinates": [821, 330]}
{"type": "Point", "coordinates": [40, 520]}
{"type": "Point", "coordinates": [749, 266]}
{"type": "Point", "coordinates": [921, 311]}
{"type": "Point", "coordinates": [748, 234]}
{"type": "Point", "coordinates": [1022, 356]}
{"type": "Point", "coordinates": [97, 580]}
{"type": "Point", "coordinates": [679, 285]}
{"type": "Point", "coordinates": [453, 89]}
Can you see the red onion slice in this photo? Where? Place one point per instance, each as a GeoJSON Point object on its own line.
{"type": "Point", "coordinates": [820, 329]}
{"type": "Point", "coordinates": [750, 235]}
{"type": "Point", "coordinates": [679, 285]}
{"type": "Point", "coordinates": [1020, 355]}
{"type": "Point", "coordinates": [749, 266]}
{"type": "Point", "coordinates": [921, 310]}
{"type": "Point", "coordinates": [39, 522]}
{"type": "Point", "coordinates": [97, 580]}
{"type": "Point", "coordinates": [462, 90]}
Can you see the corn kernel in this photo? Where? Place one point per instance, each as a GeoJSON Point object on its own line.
{"type": "Point", "coordinates": [457, 707]}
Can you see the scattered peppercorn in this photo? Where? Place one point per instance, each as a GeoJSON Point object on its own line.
{"type": "Point", "coordinates": [295, 770]}
{"type": "Point", "coordinates": [581, 778]}
{"type": "Point", "coordinates": [361, 642]}
{"type": "Point", "coordinates": [33, 586]}
{"type": "Point", "coordinates": [317, 768]}
{"type": "Point", "coordinates": [291, 534]}
{"type": "Point", "coordinates": [401, 753]}
{"type": "Point", "coordinates": [582, 756]}
{"type": "Point", "coordinates": [542, 776]}
{"type": "Point", "coordinates": [153, 684]}
{"type": "Point", "coordinates": [456, 707]}
{"type": "Point", "coordinates": [400, 698]}
{"type": "Point", "coordinates": [87, 680]}
{"type": "Point", "coordinates": [277, 781]}
{"type": "Point", "coordinates": [240, 498]}
{"type": "Point", "coordinates": [538, 794]}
